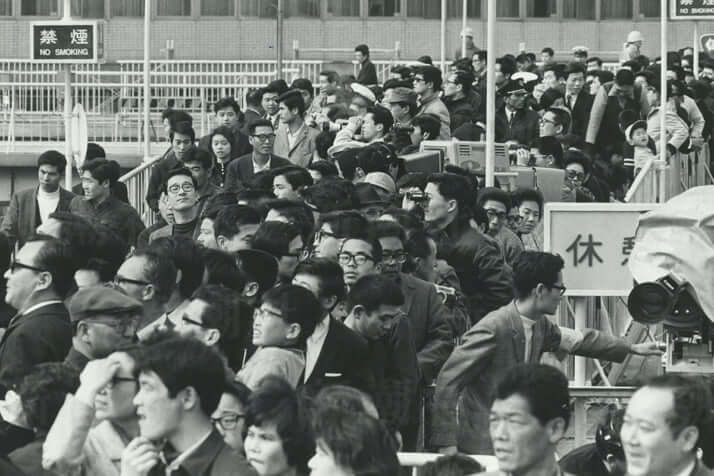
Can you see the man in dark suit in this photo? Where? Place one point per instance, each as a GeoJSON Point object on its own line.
{"type": "Point", "coordinates": [335, 354]}
{"type": "Point", "coordinates": [38, 281]}
{"type": "Point", "coordinates": [367, 72]}
{"type": "Point", "coordinates": [516, 333]}
{"type": "Point", "coordinates": [241, 170]}
{"type": "Point", "coordinates": [577, 99]}
{"type": "Point", "coordinates": [29, 208]}
{"type": "Point", "coordinates": [515, 121]}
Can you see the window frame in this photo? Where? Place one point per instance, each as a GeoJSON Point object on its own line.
{"type": "Point", "coordinates": [195, 12]}
{"type": "Point", "coordinates": [236, 15]}
{"type": "Point", "coordinates": [362, 5]}
{"type": "Point", "coordinates": [364, 9]}
{"type": "Point", "coordinates": [17, 10]}
{"type": "Point", "coordinates": [108, 11]}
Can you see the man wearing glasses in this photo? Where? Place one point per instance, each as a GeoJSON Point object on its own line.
{"type": "Point", "coordinates": [519, 332]}
{"type": "Point", "coordinates": [38, 280]}
{"type": "Point", "coordinates": [241, 170]}
{"type": "Point", "coordinates": [515, 121]}
{"type": "Point", "coordinates": [497, 204]}
{"type": "Point", "coordinates": [182, 192]}
{"type": "Point", "coordinates": [104, 319]}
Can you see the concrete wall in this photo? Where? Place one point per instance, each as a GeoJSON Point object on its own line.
{"type": "Point", "coordinates": [246, 39]}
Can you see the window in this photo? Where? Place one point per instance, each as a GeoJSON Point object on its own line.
{"type": "Point", "coordinates": [218, 8]}
{"type": "Point", "coordinates": [454, 9]}
{"type": "Point", "coordinates": [88, 8]}
{"type": "Point", "coordinates": [173, 8]}
{"type": "Point", "coordinates": [611, 9]}
{"type": "Point", "coordinates": [46, 8]}
{"type": "Point", "coordinates": [541, 8]}
{"type": "Point", "coordinates": [302, 8]}
{"type": "Point", "coordinates": [507, 8]}
{"type": "Point", "coordinates": [259, 8]}
{"type": "Point", "coordinates": [127, 8]}
{"type": "Point", "coordinates": [383, 8]}
{"type": "Point", "coordinates": [5, 8]}
{"type": "Point", "coordinates": [343, 8]}
{"type": "Point", "coordinates": [424, 9]}
{"type": "Point", "coordinates": [649, 8]}
{"type": "Point", "coordinates": [579, 9]}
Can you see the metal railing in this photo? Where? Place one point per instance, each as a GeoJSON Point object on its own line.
{"type": "Point", "coordinates": [137, 183]}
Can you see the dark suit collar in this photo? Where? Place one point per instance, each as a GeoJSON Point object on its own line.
{"type": "Point", "coordinates": [55, 308]}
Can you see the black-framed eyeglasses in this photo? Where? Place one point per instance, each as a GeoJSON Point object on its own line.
{"type": "Point", "coordinates": [492, 213]}
{"type": "Point", "coordinates": [186, 187]}
{"type": "Point", "coordinates": [320, 234]}
{"type": "Point", "coordinates": [562, 289]}
{"type": "Point", "coordinates": [264, 137]}
{"type": "Point", "coordinates": [228, 421]}
{"type": "Point", "coordinates": [399, 257]}
{"type": "Point", "coordinates": [116, 380]}
{"type": "Point", "coordinates": [572, 174]}
{"type": "Point", "coordinates": [14, 265]}
{"type": "Point", "coordinates": [188, 320]}
{"type": "Point", "coordinates": [345, 258]}
{"type": "Point", "coordinates": [118, 280]}
{"type": "Point", "coordinates": [121, 326]}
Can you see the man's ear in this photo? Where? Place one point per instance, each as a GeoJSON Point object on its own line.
{"type": "Point", "coordinates": [46, 280]}
{"type": "Point", "coordinates": [189, 398]}
{"type": "Point", "coordinates": [82, 331]}
{"type": "Point", "coordinates": [358, 312]}
{"type": "Point", "coordinates": [452, 205]}
{"type": "Point", "coordinates": [359, 174]}
{"type": "Point", "coordinates": [688, 438]}
{"type": "Point", "coordinates": [294, 331]}
{"type": "Point", "coordinates": [211, 337]}
{"type": "Point", "coordinates": [555, 429]}
{"type": "Point", "coordinates": [251, 289]}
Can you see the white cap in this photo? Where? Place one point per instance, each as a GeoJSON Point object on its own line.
{"type": "Point", "coordinates": [468, 32]}
{"type": "Point", "coordinates": [580, 49]}
{"type": "Point", "coordinates": [363, 91]}
{"type": "Point", "coordinates": [635, 36]}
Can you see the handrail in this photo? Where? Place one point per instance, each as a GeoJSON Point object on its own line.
{"type": "Point", "coordinates": [639, 180]}
{"type": "Point", "coordinates": [140, 168]}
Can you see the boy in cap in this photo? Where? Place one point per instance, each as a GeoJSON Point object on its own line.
{"type": "Point", "coordinates": [103, 319]}
{"type": "Point", "coordinates": [636, 136]}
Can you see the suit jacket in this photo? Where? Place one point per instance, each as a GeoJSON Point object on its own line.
{"type": "Point", "coordinates": [118, 190]}
{"type": "Point", "coordinates": [43, 335]}
{"type": "Point", "coordinates": [343, 360]}
{"type": "Point", "coordinates": [240, 171]}
{"type": "Point", "coordinates": [20, 220]}
{"type": "Point", "coordinates": [429, 320]}
{"type": "Point", "coordinates": [523, 129]}
{"type": "Point", "coordinates": [300, 153]}
{"type": "Point", "coordinates": [580, 114]}
{"type": "Point", "coordinates": [367, 74]}
{"type": "Point", "coordinates": [465, 386]}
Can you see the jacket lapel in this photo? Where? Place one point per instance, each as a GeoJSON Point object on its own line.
{"type": "Point", "coordinates": [329, 347]}
{"type": "Point", "coordinates": [518, 335]}
{"type": "Point", "coordinates": [33, 211]}
{"type": "Point", "coordinates": [300, 139]}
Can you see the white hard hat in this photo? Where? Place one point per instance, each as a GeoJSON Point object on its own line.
{"type": "Point", "coordinates": [467, 32]}
{"type": "Point", "coordinates": [635, 36]}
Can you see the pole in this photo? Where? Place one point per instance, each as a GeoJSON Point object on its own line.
{"type": "Point", "coordinates": [66, 16]}
{"type": "Point", "coordinates": [580, 309]}
{"type": "Point", "coordinates": [695, 48]}
{"type": "Point", "coordinates": [279, 40]}
{"type": "Point", "coordinates": [464, 19]}
{"type": "Point", "coordinates": [443, 37]}
{"type": "Point", "coordinates": [490, 93]}
{"type": "Point", "coordinates": [663, 82]}
{"type": "Point", "coordinates": [147, 79]}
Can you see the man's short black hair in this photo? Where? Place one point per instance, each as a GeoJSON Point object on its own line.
{"type": "Point", "coordinates": [381, 115]}
{"type": "Point", "coordinates": [295, 212]}
{"type": "Point", "coordinates": [174, 116]}
{"type": "Point", "coordinates": [183, 128]}
{"type": "Point", "coordinates": [454, 187]}
{"type": "Point", "coordinates": [325, 168]}
{"type": "Point", "coordinates": [572, 156]}
{"type": "Point", "coordinates": [532, 268]}
{"type": "Point", "coordinates": [550, 145]}
{"type": "Point", "coordinates": [215, 203]}
{"type": "Point", "coordinates": [464, 78]}
{"type": "Point", "coordinates": [561, 116]}
{"type": "Point", "coordinates": [274, 403]}
{"type": "Point", "coordinates": [42, 392]}
{"type": "Point", "coordinates": [345, 223]}
{"type": "Point", "coordinates": [227, 102]}
{"type": "Point", "coordinates": [176, 171]}
{"type": "Point", "coordinates": [625, 77]}
{"type": "Point", "coordinates": [186, 255]}
{"type": "Point", "coordinates": [374, 290]}
{"type": "Point", "coordinates": [182, 362]}
{"type": "Point", "coordinates": [222, 312]}
{"type": "Point", "coordinates": [528, 195]}
{"type": "Point", "coordinates": [558, 69]}
{"type": "Point", "coordinates": [95, 151]}
{"type": "Point", "coordinates": [364, 49]}
{"type": "Point", "coordinates": [431, 74]}
{"type": "Point", "coordinates": [220, 268]}
{"type": "Point", "coordinates": [508, 65]}
{"type": "Point", "coordinates": [594, 59]}
{"type": "Point", "coordinates": [496, 195]}
{"type": "Point", "coordinates": [297, 177]}
{"type": "Point", "coordinates": [428, 123]}
{"type": "Point", "coordinates": [389, 229]}
{"type": "Point", "coordinates": [574, 67]}
{"type": "Point", "coordinates": [200, 156]}
{"type": "Point", "coordinates": [332, 76]}
{"type": "Point", "coordinates": [293, 100]}
{"type": "Point", "coordinates": [274, 237]}
{"type": "Point", "coordinates": [160, 271]}
{"type": "Point", "coordinates": [57, 258]}
{"type": "Point", "coordinates": [54, 159]}
{"type": "Point", "coordinates": [303, 84]}
{"type": "Point", "coordinates": [328, 273]}
{"type": "Point", "coordinates": [330, 195]}
{"type": "Point", "coordinates": [404, 72]}
{"type": "Point", "coordinates": [544, 387]}
{"type": "Point", "coordinates": [258, 123]}
{"type": "Point", "coordinates": [548, 50]}
{"type": "Point", "coordinates": [254, 97]}
{"type": "Point", "coordinates": [232, 217]}
{"type": "Point", "coordinates": [297, 305]}
{"type": "Point", "coordinates": [692, 402]}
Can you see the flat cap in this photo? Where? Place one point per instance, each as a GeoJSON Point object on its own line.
{"type": "Point", "coordinates": [364, 91]}
{"type": "Point", "coordinates": [381, 180]}
{"type": "Point", "coordinates": [95, 301]}
{"type": "Point", "coordinates": [401, 94]}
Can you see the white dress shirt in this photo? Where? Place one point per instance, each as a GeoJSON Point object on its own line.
{"type": "Point", "coordinates": [314, 345]}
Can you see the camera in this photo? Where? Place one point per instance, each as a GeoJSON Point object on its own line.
{"type": "Point", "coordinates": [416, 196]}
{"type": "Point", "coordinates": [673, 264]}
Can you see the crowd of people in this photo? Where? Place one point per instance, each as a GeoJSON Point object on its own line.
{"type": "Point", "coordinates": [301, 291]}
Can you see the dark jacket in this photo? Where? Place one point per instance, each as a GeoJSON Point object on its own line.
{"type": "Point", "coordinates": [159, 172]}
{"type": "Point", "coordinates": [43, 335]}
{"type": "Point", "coordinates": [13, 437]}
{"type": "Point", "coordinates": [116, 215]}
{"type": "Point", "coordinates": [486, 279]}
{"type": "Point", "coordinates": [461, 111]}
{"type": "Point", "coordinates": [584, 461]}
{"type": "Point", "coordinates": [212, 458]}
{"type": "Point", "coordinates": [249, 115]}
{"type": "Point", "coordinates": [523, 129]}
{"type": "Point", "coordinates": [240, 171]}
{"type": "Point", "coordinates": [429, 320]}
{"type": "Point", "coordinates": [367, 74]}
{"type": "Point", "coordinates": [21, 217]}
{"type": "Point", "coordinates": [9, 469]}
{"type": "Point", "coordinates": [466, 384]}
{"type": "Point", "coordinates": [239, 147]}
{"type": "Point", "coordinates": [29, 459]}
{"type": "Point", "coordinates": [343, 360]}
{"type": "Point", "coordinates": [580, 114]}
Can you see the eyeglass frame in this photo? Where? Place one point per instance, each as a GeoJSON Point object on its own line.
{"type": "Point", "coordinates": [231, 426]}
{"type": "Point", "coordinates": [560, 288]}
{"type": "Point", "coordinates": [15, 264]}
{"type": "Point", "coordinates": [492, 212]}
{"type": "Point", "coordinates": [263, 137]}
{"type": "Point", "coordinates": [121, 279]}
{"type": "Point", "coordinates": [364, 257]}
{"type": "Point", "coordinates": [400, 257]}
{"type": "Point", "coordinates": [120, 325]}
{"type": "Point", "coordinates": [117, 379]}
{"type": "Point", "coordinates": [186, 187]}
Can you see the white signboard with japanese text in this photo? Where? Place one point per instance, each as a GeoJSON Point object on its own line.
{"type": "Point", "coordinates": [66, 41]}
{"type": "Point", "coordinates": [594, 240]}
